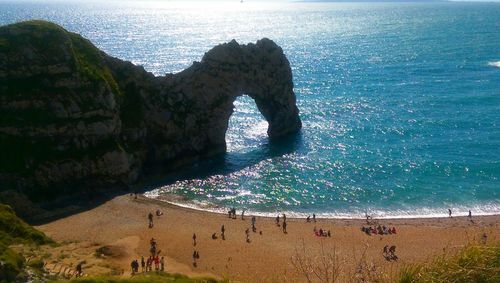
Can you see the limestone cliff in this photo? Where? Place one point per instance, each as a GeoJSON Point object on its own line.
{"type": "Point", "coordinates": [70, 114]}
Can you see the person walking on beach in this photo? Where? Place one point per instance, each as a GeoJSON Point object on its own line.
{"type": "Point", "coordinates": [284, 217]}
{"type": "Point", "coordinates": [157, 263]}
{"type": "Point", "coordinates": [194, 259]}
{"type": "Point", "coordinates": [449, 212]}
{"type": "Point", "coordinates": [134, 265]}
{"type": "Point", "coordinates": [222, 231]}
{"type": "Point", "coordinates": [150, 217]}
{"type": "Point", "coordinates": [470, 215]}
{"type": "Point", "coordinates": [314, 218]}
{"type": "Point", "coordinates": [284, 227]}
{"type": "Point", "coordinates": [143, 264]}
{"type": "Point", "coordinates": [194, 239]}
{"type": "Point", "coordinates": [253, 224]}
{"type": "Point", "coordinates": [243, 214]}
{"type": "Point", "coordinates": [152, 248]}
{"type": "Point", "coordinates": [278, 220]}
{"type": "Point", "coordinates": [79, 272]}
{"type": "Point", "coordinates": [149, 264]}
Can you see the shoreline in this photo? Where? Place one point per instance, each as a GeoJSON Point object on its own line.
{"type": "Point", "coordinates": [178, 201]}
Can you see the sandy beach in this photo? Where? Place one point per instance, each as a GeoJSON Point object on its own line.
{"type": "Point", "coordinates": [121, 225]}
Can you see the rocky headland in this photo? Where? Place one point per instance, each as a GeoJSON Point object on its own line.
{"type": "Point", "coordinates": [71, 116]}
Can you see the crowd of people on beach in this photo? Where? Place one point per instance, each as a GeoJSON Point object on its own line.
{"type": "Point", "coordinates": [318, 232]}
{"type": "Point", "coordinates": [157, 263]}
{"type": "Point", "coordinates": [379, 230]}
{"type": "Point", "coordinates": [321, 232]}
{"type": "Point", "coordinates": [154, 259]}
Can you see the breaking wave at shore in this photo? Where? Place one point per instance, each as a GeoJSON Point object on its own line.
{"type": "Point", "coordinates": [423, 212]}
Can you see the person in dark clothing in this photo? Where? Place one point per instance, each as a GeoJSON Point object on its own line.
{"type": "Point", "coordinates": [150, 217]}
{"type": "Point", "coordinates": [79, 272]}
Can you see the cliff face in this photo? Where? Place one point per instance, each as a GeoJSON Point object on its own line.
{"type": "Point", "coordinates": [70, 114]}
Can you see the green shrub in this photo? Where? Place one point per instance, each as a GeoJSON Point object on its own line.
{"type": "Point", "coordinates": [11, 264]}
{"type": "Point", "coordinates": [36, 264]}
{"type": "Point", "coordinates": [13, 230]}
{"type": "Point", "coordinates": [474, 263]}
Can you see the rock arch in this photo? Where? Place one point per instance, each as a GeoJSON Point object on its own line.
{"type": "Point", "coordinates": [72, 115]}
{"type": "Point", "coordinates": [209, 88]}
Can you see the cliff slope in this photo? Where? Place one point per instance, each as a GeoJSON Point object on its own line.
{"type": "Point", "coordinates": [70, 114]}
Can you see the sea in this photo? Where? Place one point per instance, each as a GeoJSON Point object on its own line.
{"type": "Point", "coordinates": [400, 102]}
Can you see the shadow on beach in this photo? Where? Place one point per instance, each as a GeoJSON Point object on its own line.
{"type": "Point", "coordinates": [90, 195]}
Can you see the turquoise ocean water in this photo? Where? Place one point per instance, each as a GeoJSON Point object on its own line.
{"type": "Point", "coordinates": [400, 102]}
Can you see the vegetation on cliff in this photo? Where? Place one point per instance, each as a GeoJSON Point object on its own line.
{"type": "Point", "coordinates": [13, 230]}
{"type": "Point", "coordinates": [50, 41]}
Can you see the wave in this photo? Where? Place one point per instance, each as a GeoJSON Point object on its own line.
{"type": "Point", "coordinates": [494, 64]}
{"type": "Point", "coordinates": [422, 212]}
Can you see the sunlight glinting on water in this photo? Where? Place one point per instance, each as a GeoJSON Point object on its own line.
{"type": "Point", "coordinates": [399, 102]}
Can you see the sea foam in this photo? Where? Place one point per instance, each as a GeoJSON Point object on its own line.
{"type": "Point", "coordinates": [494, 64]}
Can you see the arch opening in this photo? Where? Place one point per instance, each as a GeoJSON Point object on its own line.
{"type": "Point", "coordinates": [247, 127]}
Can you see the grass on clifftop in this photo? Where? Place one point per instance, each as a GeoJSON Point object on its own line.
{"type": "Point", "coordinates": [474, 263]}
{"type": "Point", "coordinates": [145, 278]}
{"type": "Point", "coordinates": [13, 230]}
{"type": "Point", "coordinates": [51, 41]}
